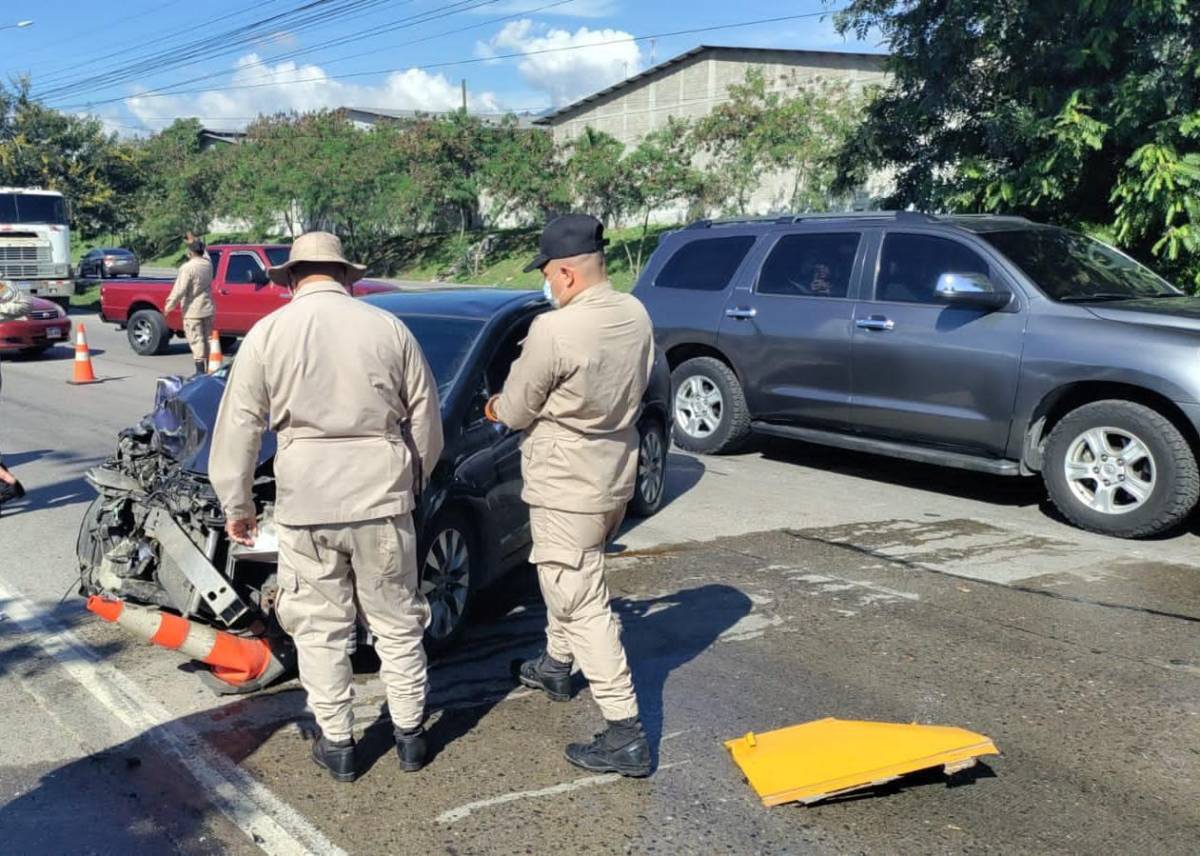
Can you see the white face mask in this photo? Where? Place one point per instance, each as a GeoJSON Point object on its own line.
{"type": "Point", "coordinates": [548, 293]}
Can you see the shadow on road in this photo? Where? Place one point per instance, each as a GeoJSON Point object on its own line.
{"type": "Point", "coordinates": [55, 353]}
{"type": "Point", "coordinates": [999, 490]}
{"type": "Point", "coordinates": [54, 495]}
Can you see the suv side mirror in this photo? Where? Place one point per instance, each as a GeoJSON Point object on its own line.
{"type": "Point", "coordinates": [971, 290]}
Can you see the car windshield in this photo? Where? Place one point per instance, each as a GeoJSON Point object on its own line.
{"type": "Point", "coordinates": [278, 255]}
{"type": "Point", "coordinates": [445, 342]}
{"type": "Point", "coordinates": [1072, 267]}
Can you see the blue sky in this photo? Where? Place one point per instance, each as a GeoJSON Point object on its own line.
{"type": "Point", "coordinates": [401, 54]}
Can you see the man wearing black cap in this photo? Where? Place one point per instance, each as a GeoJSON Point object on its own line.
{"type": "Point", "coordinates": [575, 391]}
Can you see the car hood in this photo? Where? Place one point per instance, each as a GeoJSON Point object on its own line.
{"type": "Point", "coordinates": [1180, 312]}
{"type": "Point", "coordinates": [183, 418]}
{"type": "Point", "coordinates": [37, 304]}
{"type": "Point", "coordinates": [365, 287]}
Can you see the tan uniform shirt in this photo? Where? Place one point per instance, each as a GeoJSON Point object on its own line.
{"type": "Point", "coordinates": [353, 402]}
{"type": "Point", "coordinates": [577, 387]}
{"type": "Point", "coordinates": [193, 289]}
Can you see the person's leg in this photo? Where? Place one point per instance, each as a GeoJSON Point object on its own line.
{"type": "Point", "coordinates": [387, 582]}
{"type": "Point", "coordinates": [193, 331]}
{"type": "Point", "coordinates": [316, 608]}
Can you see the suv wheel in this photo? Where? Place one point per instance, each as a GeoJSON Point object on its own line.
{"type": "Point", "coordinates": [708, 407]}
{"type": "Point", "coordinates": [1120, 469]}
{"type": "Point", "coordinates": [148, 332]}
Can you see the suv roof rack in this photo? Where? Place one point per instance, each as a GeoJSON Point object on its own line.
{"type": "Point", "coordinates": [827, 215]}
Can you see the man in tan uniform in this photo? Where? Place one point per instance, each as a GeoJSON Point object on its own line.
{"type": "Point", "coordinates": [355, 407]}
{"type": "Point", "coordinates": [576, 391]}
{"type": "Point", "coordinates": [193, 292]}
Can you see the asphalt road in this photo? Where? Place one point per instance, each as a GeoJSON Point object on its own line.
{"type": "Point", "coordinates": [778, 586]}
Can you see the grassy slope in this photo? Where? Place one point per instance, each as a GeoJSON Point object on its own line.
{"type": "Point", "coordinates": [430, 256]}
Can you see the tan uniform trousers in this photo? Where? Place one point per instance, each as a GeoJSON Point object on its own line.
{"type": "Point", "coordinates": [323, 571]}
{"type": "Point", "coordinates": [198, 331]}
{"type": "Point", "coordinates": [568, 549]}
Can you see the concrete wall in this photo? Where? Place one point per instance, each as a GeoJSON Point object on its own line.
{"type": "Point", "coordinates": [692, 88]}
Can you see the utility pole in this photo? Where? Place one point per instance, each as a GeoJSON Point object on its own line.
{"type": "Point", "coordinates": [464, 95]}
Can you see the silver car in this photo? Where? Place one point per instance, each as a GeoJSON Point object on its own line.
{"type": "Point", "coordinates": [104, 262]}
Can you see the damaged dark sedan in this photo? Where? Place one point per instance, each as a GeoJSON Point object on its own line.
{"type": "Point", "coordinates": [154, 536]}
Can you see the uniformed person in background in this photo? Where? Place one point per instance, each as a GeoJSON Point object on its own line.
{"type": "Point", "coordinates": [193, 294]}
{"type": "Point", "coordinates": [576, 390]}
{"type": "Point", "coordinates": [13, 304]}
{"type": "Point", "coordinates": [355, 407]}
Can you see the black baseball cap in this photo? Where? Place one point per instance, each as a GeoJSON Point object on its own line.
{"type": "Point", "coordinates": [567, 236]}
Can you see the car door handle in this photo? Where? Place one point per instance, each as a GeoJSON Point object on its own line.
{"type": "Point", "coordinates": [741, 313]}
{"type": "Point", "coordinates": [224, 291]}
{"type": "Point", "coordinates": [875, 322]}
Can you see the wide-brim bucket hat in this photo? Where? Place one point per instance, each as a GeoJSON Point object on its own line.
{"type": "Point", "coordinates": [314, 247]}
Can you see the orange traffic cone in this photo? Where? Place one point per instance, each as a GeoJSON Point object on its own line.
{"type": "Point", "coordinates": [236, 660]}
{"type": "Point", "coordinates": [215, 357]}
{"type": "Point", "coordinates": [83, 360]}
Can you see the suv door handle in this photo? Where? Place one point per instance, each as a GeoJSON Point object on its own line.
{"type": "Point", "coordinates": [741, 313]}
{"type": "Point", "coordinates": [875, 322]}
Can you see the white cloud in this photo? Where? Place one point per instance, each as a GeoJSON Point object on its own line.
{"type": "Point", "coordinates": [287, 86]}
{"type": "Point", "coordinates": [573, 9]}
{"type": "Point", "coordinates": [565, 73]}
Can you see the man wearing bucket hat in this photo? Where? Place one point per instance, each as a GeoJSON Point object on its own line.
{"type": "Point", "coordinates": [192, 292]}
{"type": "Point", "coordinates": [354, 405]}
{"type": "Point", "coordinates": [576, 390]}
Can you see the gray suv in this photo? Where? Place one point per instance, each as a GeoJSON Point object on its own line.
{"type": "Point", "coordinates": [989, 343]}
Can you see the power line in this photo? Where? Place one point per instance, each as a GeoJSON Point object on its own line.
{"type": "Point", "coordinates": [400, 24]}
{"type": "Point", "coordinates": [297, 19]}
{"type": "Point", "coordinates": [461, 62]}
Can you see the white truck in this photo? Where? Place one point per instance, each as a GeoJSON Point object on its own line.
{"type": "Point", "coordinates": [35, 243]}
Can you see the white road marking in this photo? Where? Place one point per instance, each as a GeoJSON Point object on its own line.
{"type": "Point", "coordinates": [463, 811]}
{"type": "Point", "coordinates": [268, 821]}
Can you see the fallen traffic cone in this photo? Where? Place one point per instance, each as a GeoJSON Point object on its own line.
{"type": "Point", "coordinates": [215, 357]}
{"type": "Point", "coordinates": [236, 660]}
{"type": "Point", "coordinates": [83, 373]}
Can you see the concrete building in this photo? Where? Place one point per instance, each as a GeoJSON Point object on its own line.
{"type": "Point", "coordinates": [691, 85]}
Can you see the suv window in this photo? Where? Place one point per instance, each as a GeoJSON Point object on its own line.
{"type": "Point", "coordinates": [242, 268]}
{"type": "Point", "coordinates": [814, 265]}
{"type": "Point", "coordinates": [705, 265]}
{"type": "Point", "coordinates": [911, 264]}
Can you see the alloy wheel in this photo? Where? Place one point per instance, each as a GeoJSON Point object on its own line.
{"type": "Point", "coordinates": [445, 580]}
{"type": "Point", "coordinates": [142, 333]}
{"type": "Point", "coordinates": [1110, 470]}
{"type": "Point", "coordinates": [699, 406]}
{"type": "Point", "coordinates": [650, 466]}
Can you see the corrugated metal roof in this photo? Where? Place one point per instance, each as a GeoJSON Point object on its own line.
{"type": "Point", "coordinates": [548, 118]}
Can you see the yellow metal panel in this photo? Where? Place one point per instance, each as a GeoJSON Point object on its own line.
{"type": "Point", "coordinates": [815, 760]}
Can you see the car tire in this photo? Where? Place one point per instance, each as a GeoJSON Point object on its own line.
{"type": "Point", "coordinates": [1097, 486]}
{"type": "Point", "coordinates": [722, 422]}
{"type": "Point", "coordinates": [148, 333]}
{"type": "Point", "coordinates": [448, 566]}
{"type": "Point", "coordinates": [651, 481]}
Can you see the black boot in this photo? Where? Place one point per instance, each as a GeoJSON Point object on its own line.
{"type": "Point", "coordinates": [336, 757]}
{"type": "Point", "coordinates": [546, 674]}
{"type": "Point", "coordinates": [200, 368]}
{"type": "Point", "coordinates": [410, 749]}
{"type": "Point", "coordinates": [622, 748]}
{"type": "Point", "coordinates": [9, 492]}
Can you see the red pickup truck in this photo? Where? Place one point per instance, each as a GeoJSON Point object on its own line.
{"type": "Point", "coordinates": [241, 293]}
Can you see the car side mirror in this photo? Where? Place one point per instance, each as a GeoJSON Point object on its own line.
{"type": "Point", "coordinates": [971, 290]}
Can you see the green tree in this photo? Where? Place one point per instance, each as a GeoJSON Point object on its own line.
{"type": "Point", "coordinates": [179, 188]}
{"type": "Point", "coordinates": [599, 177]}
{"type": "Point", "coordinates": [523, 173]}
{"type": "Point", "coordinates": [660, 174]}
{"type": "Point", "coordinates": [1080, 112]}
{"type": "Point", "coordinates": [764, 128]}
